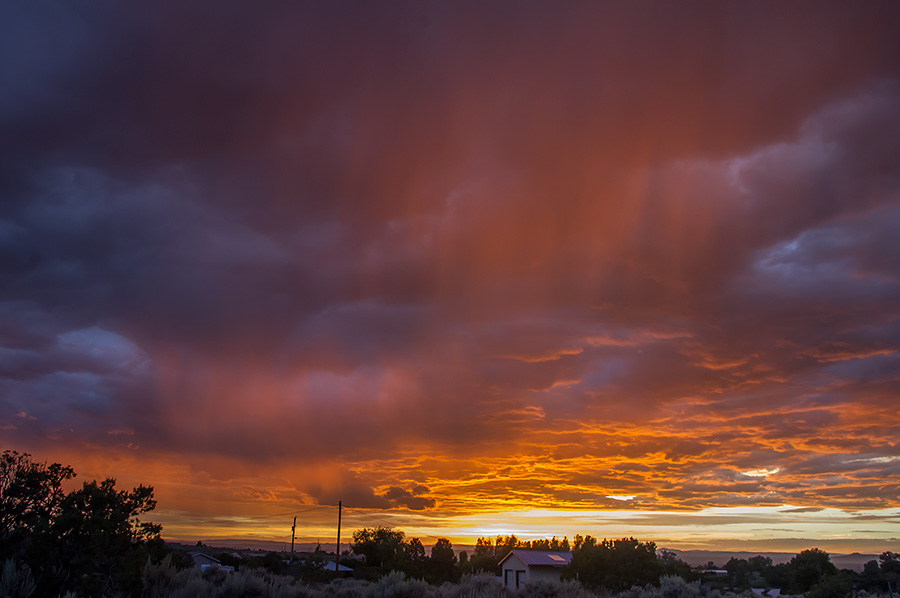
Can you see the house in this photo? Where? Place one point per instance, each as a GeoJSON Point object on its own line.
{"type": "Point", "coordinates": [714, 573]}
{"type": "Point", "coordinates": [204, 561]}
{"type": "Point", "coordinates": [527, 566]}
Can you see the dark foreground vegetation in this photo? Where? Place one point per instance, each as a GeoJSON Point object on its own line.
{"type": "Point", "coordinates": [89, 541]}
{"type": "Point", "coordinates": [92, 542]}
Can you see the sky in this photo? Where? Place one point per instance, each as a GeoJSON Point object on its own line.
{"type": "Point", "coordinates": [608, 268]}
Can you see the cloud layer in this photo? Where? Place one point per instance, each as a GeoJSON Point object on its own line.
{"type": "Point", "coordinates": [451, 257]}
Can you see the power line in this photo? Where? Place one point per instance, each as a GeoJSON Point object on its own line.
{"type": "Point", "coordinates": [294, 512]}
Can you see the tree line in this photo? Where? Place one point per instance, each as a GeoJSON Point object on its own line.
{"type": "Point", "coordinates": [385, 550]}
{"type": "Point", "coordinates": [812, 573]}
{"type": "Point", "coordinates": [615, 565]}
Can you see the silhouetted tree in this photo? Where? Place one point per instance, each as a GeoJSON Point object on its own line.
{"type": "Point", "coordinates": [97, 531]}
{"type": "Point", "coordinates": [442, 565]}
{"type": "Point", "coordinates": [837, 585]}
{"type": "Point", "coordinates": [890, 562]}
{"type": "Point", "coordinates": [890, 570]}
{"type": "Point", "coordinates": [759, 563]}
{"type": "Point", "coordinates": [488, 553]}
{"type": "Point", "coordinates": [614, 565]}
{"type": "Point", "coordinates": [31, 496]}
{"type": "Point", "coordinates": [483, 559]}
{"type": "Point", "coordinates": [414, 559]}
{"type": "Point", "coordinates": [778, 576]}
{"type": "Point", "coordinates": [809, 568]}
{"type": "Point", "coordinates": [381, 547]}
{"type": "Point", "coordinates": [738, 571]}
{"type": "Point", "coordinates": [552, 544]}
{"type": "Point", "coordinates": [504, 544]}
{"type": "Point", "coordinates": [670, 564]}
{"type": "Point", "coordinates": [90, 540]}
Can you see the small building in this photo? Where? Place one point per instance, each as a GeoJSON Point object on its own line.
{"type": "Point", "coordinates": [714, 573]}
{"type": "Point", "coordinates": [528, 566]}
{"type": "Point", "coordinates": [204, 561]}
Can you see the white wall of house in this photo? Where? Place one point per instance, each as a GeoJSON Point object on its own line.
{"type": "Point", "coordinates": [203, 560]}
{"type": "Point", "coordinates": [551, 574]}
{"type": "Point", "coordinates": [516, 573]}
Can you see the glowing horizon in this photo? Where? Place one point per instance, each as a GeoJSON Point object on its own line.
{"type": "Point", "coordinates": [733, 529]}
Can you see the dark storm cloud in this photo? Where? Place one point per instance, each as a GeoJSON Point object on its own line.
{"type": "Point", "coordinates": [174, 84]}
{"type": "Point", "coordinates": [407, 499]}
{"type": "Point", "coordinates": [353, 491]}
{"type": "Point", "coordinates": [461, 230]}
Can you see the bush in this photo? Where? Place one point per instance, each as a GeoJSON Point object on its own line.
{"type": "Point", "coordinates": [159, 579]}
{"type": "Point", "coordinates": [672, 586]}
{"type": "Point", "coordinates": [395, 585]}
{"type": "Point", "coordinates": [546, 589]}
{"type": "Point", "coordinates": [474, 586]}
{"type": "Point", "coordinates": [16, 581]}
{"type": "Point", "coordinates": [244, 585]}
{"type": "Point", "coordinates": [164, 579]}
{"type": "Point", "coordinates": [833, 586]}
{"type": "Point", "coordinates": [347, 588]}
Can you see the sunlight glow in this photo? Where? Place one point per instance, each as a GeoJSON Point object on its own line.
{"type": "Point", "coordinates": [761, 473]}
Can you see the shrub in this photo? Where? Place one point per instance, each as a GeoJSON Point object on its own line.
{"type": "Point", "coordinates": [244, 585]}
{"type": "Point", "coordinates": [833, 586]}
{"type": "Point", "coordinates": [347, 588]}
{"type": "Point", "coordinates": [15, 581]}
{"type": "Point", "coordinates": [474, 586]}
{"type": "Point", "coordinates": [672, 586]}
{"type": "Point", "coordinates": [395, 585]}
{"type": "Point", "coordinates": [546, 589]}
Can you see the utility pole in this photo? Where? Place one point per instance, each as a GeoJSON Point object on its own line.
{"type": "Point", "coordinates": [337, 547]}
{"type": "Point", "coordinates": [293, 528]}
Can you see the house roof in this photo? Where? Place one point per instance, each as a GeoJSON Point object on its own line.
{"type": "Point", "coordinates": [329, 566]}
{"type": "Point", "coordinates": [542, 558]}
{"type": "Point", "coordinates": [202, 555]}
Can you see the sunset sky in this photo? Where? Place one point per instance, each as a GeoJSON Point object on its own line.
{"type": "Point", "coordinates": [609, 268]}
